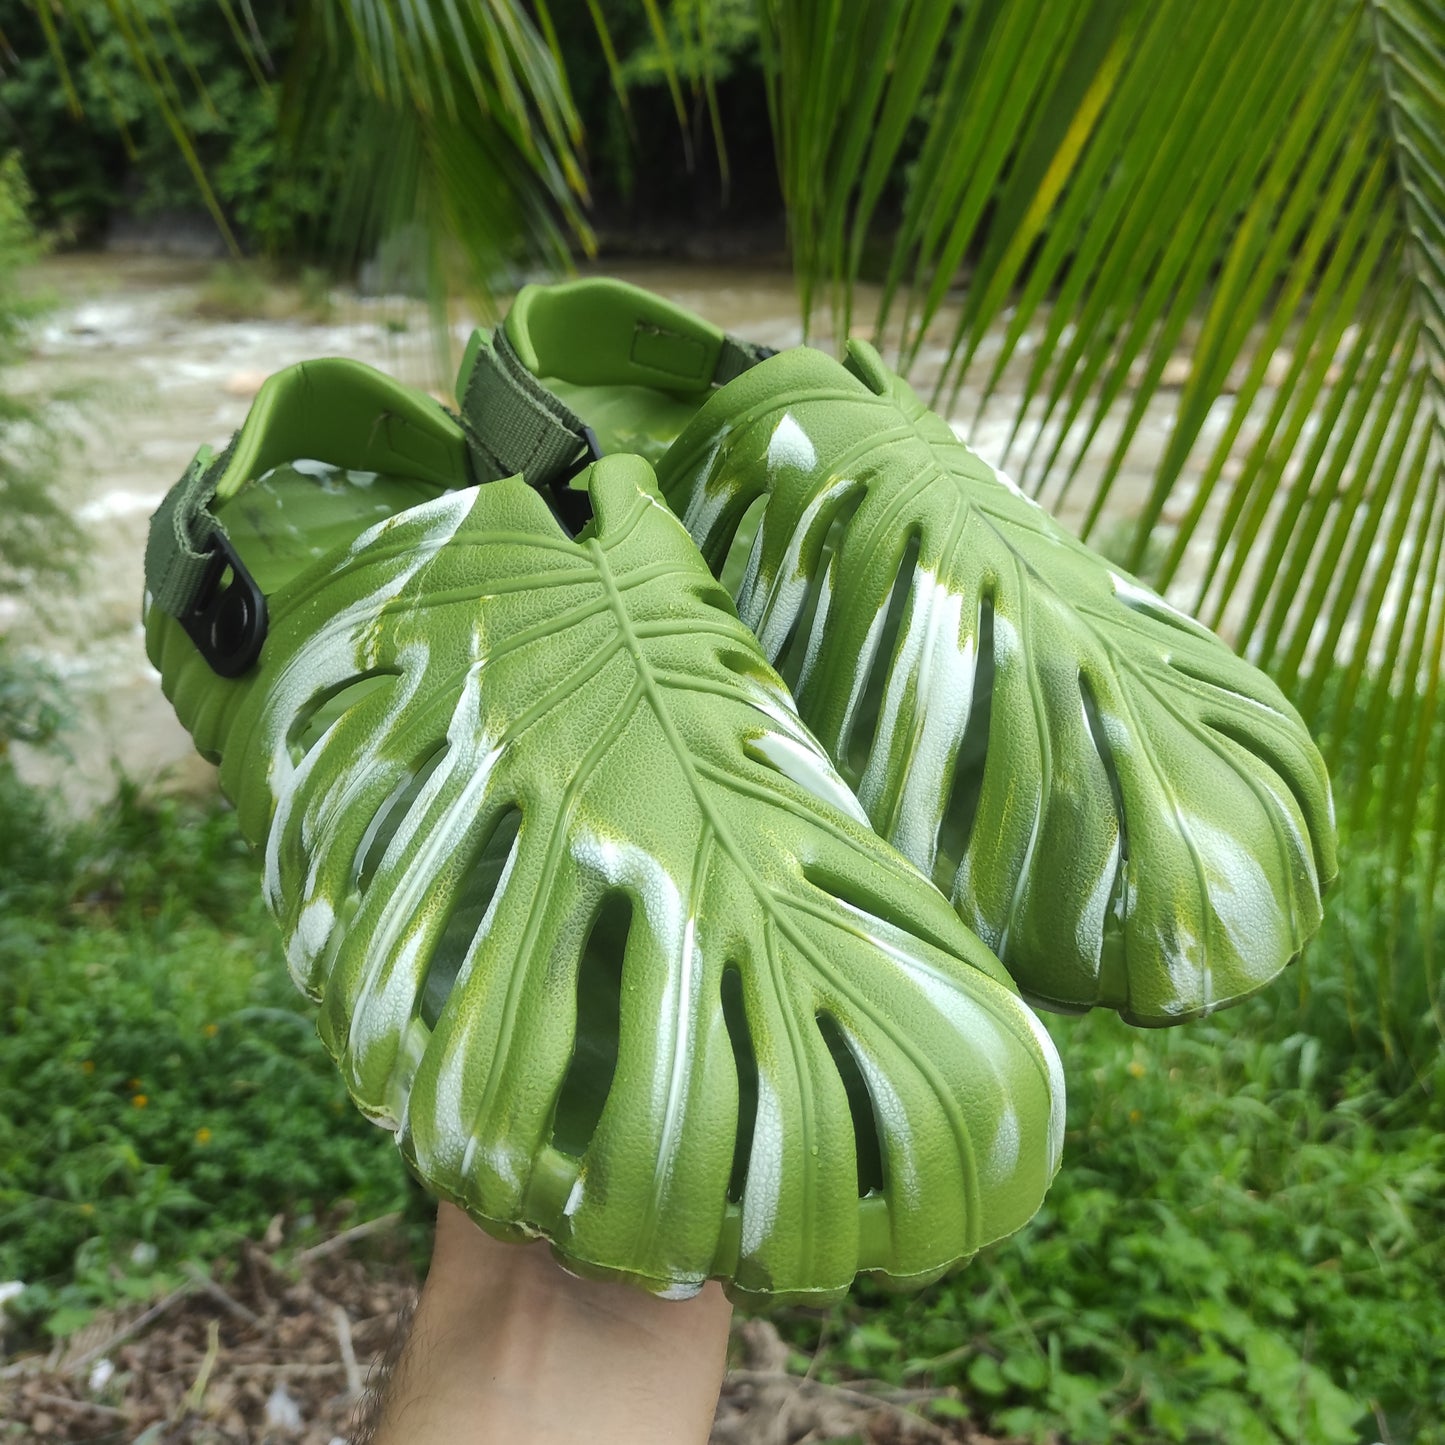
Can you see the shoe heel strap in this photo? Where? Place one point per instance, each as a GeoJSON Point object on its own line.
{"type": "Point", "coordinates": [596, 332]}
{"type": "Point", "coordinates": [335, 411]}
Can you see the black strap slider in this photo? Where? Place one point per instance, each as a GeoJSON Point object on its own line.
{"type": "Point", "coordinates": [573, 508]}
{"type": "Point", "coordinates": [591, 452]}
{"type": "Point", "coordinates": [227, 623]}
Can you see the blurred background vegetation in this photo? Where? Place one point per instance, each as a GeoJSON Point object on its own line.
{"type": "Point", "coordinates": [1247, 1239]}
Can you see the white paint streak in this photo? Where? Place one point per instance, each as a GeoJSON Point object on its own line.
{"type": "Point", "coordinates": [1089, 933]}
{"type": "Point", "coordinates": [682, 1289]}
{"type": "Point", "coordinates": [574, 1198]}
{"type": "Point", "coordinates": [1142, 599]}
{"type": "Point", "coordinates": [1003, 1153]}
{"type": "Point", "coordinates": [807, 765]}
{"type": "Point", "coordinates": [931, 656]}
{"type": "Point", "coordinates": [790, 446]}
{"type": "Point", "coordinates": [772, 616]}
{"type": "Point", "coordinates": [763, 1190]}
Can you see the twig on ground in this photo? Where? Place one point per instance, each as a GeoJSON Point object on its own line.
{"type": "Point", "coordinates": [126, 1331]}
{"type": "Point", "coordinates": [892, 1400]}
{"type": "Point", "coordinates": [204, 1282]}
{"type": "Point", "coordinates": [288, 1367]}
{"type": "Point", "coordinates": [196, 1395]}
{"type": "Point", "coordinates": [347, 1236]}
{"type": "Point", "coordinates": [342, 1321]}
{"type": "Point", "coordinates": [66, 1402]}
{"type": "Point", "coordinates": [785, 1411]}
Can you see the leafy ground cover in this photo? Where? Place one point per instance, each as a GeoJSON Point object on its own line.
{"type": "Point", "coordinates": [162, 1093]}
{"type": "Point", "coordinates": [1245, 1242]}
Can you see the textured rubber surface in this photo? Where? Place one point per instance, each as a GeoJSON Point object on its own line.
{"type": "Point", "coordinates": [593, 923]}
{"type": "Point", "coordinates": [1125, 811]}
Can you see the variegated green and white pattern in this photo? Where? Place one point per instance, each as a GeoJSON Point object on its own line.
{"type": "Point", "coordinates": [594, 924]}
{"type": "Point", "coordinates": [1126, 812]}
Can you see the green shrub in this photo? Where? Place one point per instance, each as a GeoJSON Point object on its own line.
{"type": "Point", "coordinates": [36, 534]}
{"type": "Point", "coordinates": [161, 1084]}
{"type": "Point", "coordinates": [1244, 1243]}
{"type": "Point", "coordinates": [119, 155]}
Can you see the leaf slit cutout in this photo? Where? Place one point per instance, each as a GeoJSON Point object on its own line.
{"type": "Point", "coordinates": [740, 1036]}
{"type": "Point", "coordinates": [747, 665]}
{"type": "Point", "coordinates": [478, 888]}
{"type": "Point", "coordinates": [388, 818]}
{"type": "Point", "coordinates": [740, 544]}
{"type": "Point", "coordinates": [325, 709]}
{"type": "Point", "coordinates": [955, 828]}
{"type": "Point", "coordinates": [1195, 673]}
{"type": "Point", "coordinates": [599, 1021]}
{"type": "Point", "coordinates": [1259, 748]}
{"type": "Point", "coordinates": [1112, 943]}
{"type": "Point", "coordinates": [711, 592]}
{"type": "Point", "coordinates": [867, 1148]}
{"type": "Point", "coordinates": [862, 735]}
{"type": "Point", "coordinates": [794, 650]}
{"type": "Point", "coordinates": [875, 903]}
{"type": "Point", "coordinates": [1137, 598]}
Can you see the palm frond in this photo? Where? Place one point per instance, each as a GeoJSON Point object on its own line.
{"type": "Point", "coordinates": [458, 113]}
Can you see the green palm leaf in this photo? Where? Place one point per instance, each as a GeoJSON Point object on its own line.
{"type": "Point", "coordinates": [464, 130]}
{"type": "Point", "coordinates": [594, 925]}
{"type": "Point", "coordinates": [458, 114]}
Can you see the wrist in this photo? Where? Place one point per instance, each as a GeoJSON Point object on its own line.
{"type": "Point", "coordinates": [506, 1345]}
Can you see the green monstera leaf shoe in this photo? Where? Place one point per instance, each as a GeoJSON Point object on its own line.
{"type": "Point", "coordinates": [594, 925]}
{"type": "Point", "coordinates": [1125, 811]}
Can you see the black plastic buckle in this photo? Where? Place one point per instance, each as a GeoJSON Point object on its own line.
{"type": "Point", "coordinates": [573, 508]}
{"type": "Point", "coordinates": [227, 624]}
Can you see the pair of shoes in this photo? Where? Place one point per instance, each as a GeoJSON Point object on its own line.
{"type": "Point", "coordinates": [595, 924]}
{"type": "Point", "coordinates": [1127, 813]}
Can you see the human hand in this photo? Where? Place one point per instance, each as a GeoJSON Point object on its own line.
{"type": "Point", "coordinates": [506, 1346]}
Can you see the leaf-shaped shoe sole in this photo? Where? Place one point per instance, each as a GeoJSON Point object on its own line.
{"type": "Point", "coordinates": [1125, 811]}
{"type": "Point", "coordinates": [594, 926]}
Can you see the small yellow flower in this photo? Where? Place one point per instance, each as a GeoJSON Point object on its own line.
{"type": "Point", "coordinates": [87, 1066]}
{"type": "Point", "coordinates": [1134, 1116]}
{"type": "Point", "coordinates": [203, 1135]}
{"type": "Point", "coordinates": [1137, 1069]}
{"type": "Point", "coordinates": [87, 1209]}
{"type": "Point", "coordinates": [139, 1101]}
{"type": "Point", "coordinates": [210, 1031]}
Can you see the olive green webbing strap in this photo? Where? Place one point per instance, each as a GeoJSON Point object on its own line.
{"type": "Point", "coordinates": [181, 544]}
{"type": "Point", "coordinates": [516, 424]}
{"type": "Point", "coordinates": [738, 356]}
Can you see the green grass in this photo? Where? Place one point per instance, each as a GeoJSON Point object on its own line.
{"type": "Point", "coordinates": [162, 1089]}
{"type": "Point", "coordinates": [1245, 1243]}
